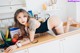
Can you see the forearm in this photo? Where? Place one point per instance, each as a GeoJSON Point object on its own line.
{"type": "Point", "coordinates": [31, 38]}
{"type": "Point", "coordinates": [23, 42]}
{"type": "Point", "coordinates": [31, 35]}
{"type": "Point", "coordinates": [26, 41]}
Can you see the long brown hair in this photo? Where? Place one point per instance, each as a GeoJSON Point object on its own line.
{"type": "Point", "coordinates": [17, 24]}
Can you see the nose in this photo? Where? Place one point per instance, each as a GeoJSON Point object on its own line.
{"type": "Point", "coordinates": [22, 18]}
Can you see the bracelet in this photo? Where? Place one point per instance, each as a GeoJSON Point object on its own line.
{"type": "Point", "coordinates": [18, 44]}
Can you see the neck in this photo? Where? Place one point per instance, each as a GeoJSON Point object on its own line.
{"type": "Point", "coordinates": [26, 25]}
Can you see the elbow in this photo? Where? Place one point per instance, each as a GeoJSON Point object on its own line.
{"type": "Point", "coordinates": [31, 40]}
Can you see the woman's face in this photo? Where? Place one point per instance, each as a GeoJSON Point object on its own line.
{"type": "Point", "coordinates": [22, 18]}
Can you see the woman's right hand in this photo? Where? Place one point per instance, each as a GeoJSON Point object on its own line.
{"type": "Point", "coordinates": [10, 49]}
{"type": "Point", "coordinates": [24, 41]}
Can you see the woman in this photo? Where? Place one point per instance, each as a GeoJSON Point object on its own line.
{"type": "Point", "coordinates": [32, 26]}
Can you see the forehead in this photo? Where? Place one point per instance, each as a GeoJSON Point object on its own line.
{"type": "Point", "coordinates": [22, 13]}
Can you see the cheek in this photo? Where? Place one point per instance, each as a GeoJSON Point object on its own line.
{"type": "Point", "coordinates": [19, 20]}
{"type": "Point", "coordinates": [25, 19]}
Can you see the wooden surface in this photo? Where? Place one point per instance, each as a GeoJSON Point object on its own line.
{"type": "Point", "coordinates": [47, 38]}
{"type": "Point", "coordinates": [74, 25]}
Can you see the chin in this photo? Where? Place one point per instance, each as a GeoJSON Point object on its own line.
{"type": "Point", "coordinates": [23, 24]}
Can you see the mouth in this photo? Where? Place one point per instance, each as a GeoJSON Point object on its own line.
{"type": "Point", "coordinates": [23, 22]}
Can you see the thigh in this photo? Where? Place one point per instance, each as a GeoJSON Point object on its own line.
{"type": "Point", "coordinates": [54, 21]}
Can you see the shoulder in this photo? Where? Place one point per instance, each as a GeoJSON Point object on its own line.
{"type": "Point", "coordinates": [32, 21]}
{"type": "Point", "coordinates": [32, 24]}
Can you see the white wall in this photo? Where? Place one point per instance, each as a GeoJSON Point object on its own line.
{"type": "Point", "coordinates": [35, 5]}
{"type": "Point", "coordinates": [7, 9]}
{"type": "Point", "coordinates": [78, 11]}
{"type": "Point", "coordinates": [61, 5]}
{"type": "Point", "coordinates": [71, 9]}
{"type": "Point", "coordinates": [65, 8]}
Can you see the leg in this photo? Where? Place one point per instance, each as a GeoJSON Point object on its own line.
{"type": "Point", "coordinates": [66, 28]}
{"type": "Point", "coordinates": [57, 24]}
{"type": "Point", "coordinates": [70, 21]}
{"type": "Point", "coordinates": [77, 24]}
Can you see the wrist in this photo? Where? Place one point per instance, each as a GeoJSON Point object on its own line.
{"type": "Point", "coordinates": [15, 46]}
{"type": "Point", "coordinates": [18, 44]}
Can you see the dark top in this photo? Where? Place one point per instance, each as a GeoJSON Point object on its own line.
{"type": "Point", "coordinates": [43, 27]}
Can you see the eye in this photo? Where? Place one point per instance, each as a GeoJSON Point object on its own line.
{"type": "Point", "coordinates": [24, 16]}
{"type": "Point", "coordinates": [19, 17]}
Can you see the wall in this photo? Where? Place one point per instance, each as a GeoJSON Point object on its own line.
{"type": "Point", "coordinates": [71, 10]}
{"type": "Point", "coordinates": [60, 5]}
{"type": "Point", "coordinates": [35, 5]}
{"type": "Point", "coordinates": [63, 8]}
{"type": "Point", "coordinates": [7, 9]}
{"type": "Point", "coordinates": [78, 11]}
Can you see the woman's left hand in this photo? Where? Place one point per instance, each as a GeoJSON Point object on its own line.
{"type": "Point", "coordinates": [11, 49]}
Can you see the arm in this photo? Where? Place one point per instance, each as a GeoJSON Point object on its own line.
{"type": "Point", "coordinates": [11, 48]}
{"type": "Point", "coordinates": [31, 35]}
{"type": "Point", "coordinates": [19, 43]}
{"type": "Point", "coordinates": [32, 29]}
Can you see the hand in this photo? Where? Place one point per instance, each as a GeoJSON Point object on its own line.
{"type": "Point", "coordinates": [24, 41]}
{"type": "Point", "coordinates": [11, 49]}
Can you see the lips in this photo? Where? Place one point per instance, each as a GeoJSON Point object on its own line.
{"type": "Point", "coordinates": [23, 22]}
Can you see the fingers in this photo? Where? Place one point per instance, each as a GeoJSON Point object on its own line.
{"type": "Point", "coordinates": [8, 49]}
